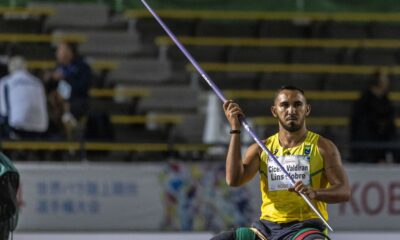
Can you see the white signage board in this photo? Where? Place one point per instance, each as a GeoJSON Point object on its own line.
{"type": "Point", "coordinates": [375, 200]}
{"type": "Point", "coordinates": [90, 196]}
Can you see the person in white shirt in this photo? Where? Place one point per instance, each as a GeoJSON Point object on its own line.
{"type": "Point", "coordinates": [23, 105]}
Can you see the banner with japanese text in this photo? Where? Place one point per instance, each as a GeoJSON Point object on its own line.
{"type": "Point", "coordinates": [90, 196]}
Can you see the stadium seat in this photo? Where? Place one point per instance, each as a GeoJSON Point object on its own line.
{"type": "Point", "coordinates": [21, 25]}
{"type": "Point", "coordinates": [315, 55]}
{"type": "Point", "coordinates": [284, 29]}
{"type": "Point", "coordinates": [37, 51]}
{"type": "Point", "coordinates": [255, 107]}
{"type": "Point", "coordinates": [306, 81]}
{"type": "Point", "coordinates": [190, 130]}
{"type": "Point", "coordinates": [140, 71]}
{"type": "Point", "coordinates": [227, 28]}
{"type": "Point", "coordinates": [200, 53]}
{"type": "Point", "coordinates": [226, 80]}
{"type": "Point", "coordinates": [346, 82]}
{"type": "Point", "coordinates": [395, 82]}
{"type": "Point", "coordinates": [242, 80]}
{"type": "Point", "coordinates": [330, 108]}
{"type": "Point", "coordinates": [381, 30]}
{"type": "Point", "coordinates": [170, 99]}
{"type": "Point", "coordinates": [347, 30]}
{"type": "Point", "coordinates": [149, 28]}
{"type": "Point", "coordinates": [257, 54]}
{"type": "Point", "coordinates": [382, 57]}
{"type": "Point", "coordinates": [76, 15]}
{"type": "Point", "coordinates": [111, 43]}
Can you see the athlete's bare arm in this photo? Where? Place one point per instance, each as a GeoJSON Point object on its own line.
{"type": "Point", "coordinates": [339, 189]}
{"type": "Point", "coordinates": [238, 170]}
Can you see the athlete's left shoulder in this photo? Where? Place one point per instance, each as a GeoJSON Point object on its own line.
{"type": "Point", "coordinates": [316, 137]}
{"type": "Point", "coordinates": [327, 148]}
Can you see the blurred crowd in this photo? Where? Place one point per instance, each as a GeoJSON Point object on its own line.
{"type": "Point", "coordinates": [53, 106]}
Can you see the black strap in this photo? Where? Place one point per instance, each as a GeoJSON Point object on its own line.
{"type": "Point", "coordinates": [7, 102]}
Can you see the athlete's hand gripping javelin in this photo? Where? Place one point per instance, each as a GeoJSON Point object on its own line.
{"type": "Point", "coordinates": [300, 187]}
{"type": "Point", "coordinates": [232, 113]}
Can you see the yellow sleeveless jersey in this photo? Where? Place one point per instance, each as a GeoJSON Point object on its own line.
{"type": "Point", "coordinates": [303, 162]}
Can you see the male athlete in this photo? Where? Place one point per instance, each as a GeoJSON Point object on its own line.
{"type": "Point", "coordinates": [313, 161]}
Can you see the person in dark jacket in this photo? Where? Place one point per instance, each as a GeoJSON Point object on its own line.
{"type": "Point", "coordinates": [373, 123]}
{"type": "Point", "coordinates": [72, 78]}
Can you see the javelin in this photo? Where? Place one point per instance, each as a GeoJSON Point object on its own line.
{"type": "Point", "coordinates": [223, 99]}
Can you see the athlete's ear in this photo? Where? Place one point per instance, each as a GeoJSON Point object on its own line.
{"type": "Point", "coordinates": [308, 109]}
{"type": "Point", "coordinates": [273, 111]}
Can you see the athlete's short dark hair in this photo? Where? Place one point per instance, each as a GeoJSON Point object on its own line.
{"type": "Point", "coordinates": [291, 88]}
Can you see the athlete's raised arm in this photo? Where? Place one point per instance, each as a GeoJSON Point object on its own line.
{"type": "Point", "coordinates": [238, 170]}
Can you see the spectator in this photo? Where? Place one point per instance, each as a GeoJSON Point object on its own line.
{"type": "Point", "coordinates": [22, 102]}
{"type": "Point", "coordinates": [72, 77]}
{"type": "Point", "coordinates": [372, 122]}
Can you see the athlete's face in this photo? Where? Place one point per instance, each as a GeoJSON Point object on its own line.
{"type": "Point", "coordinates": [291, 108]}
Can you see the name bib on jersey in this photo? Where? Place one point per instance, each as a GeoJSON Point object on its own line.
{"type": "Point", "coordinates": [297, 166]}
